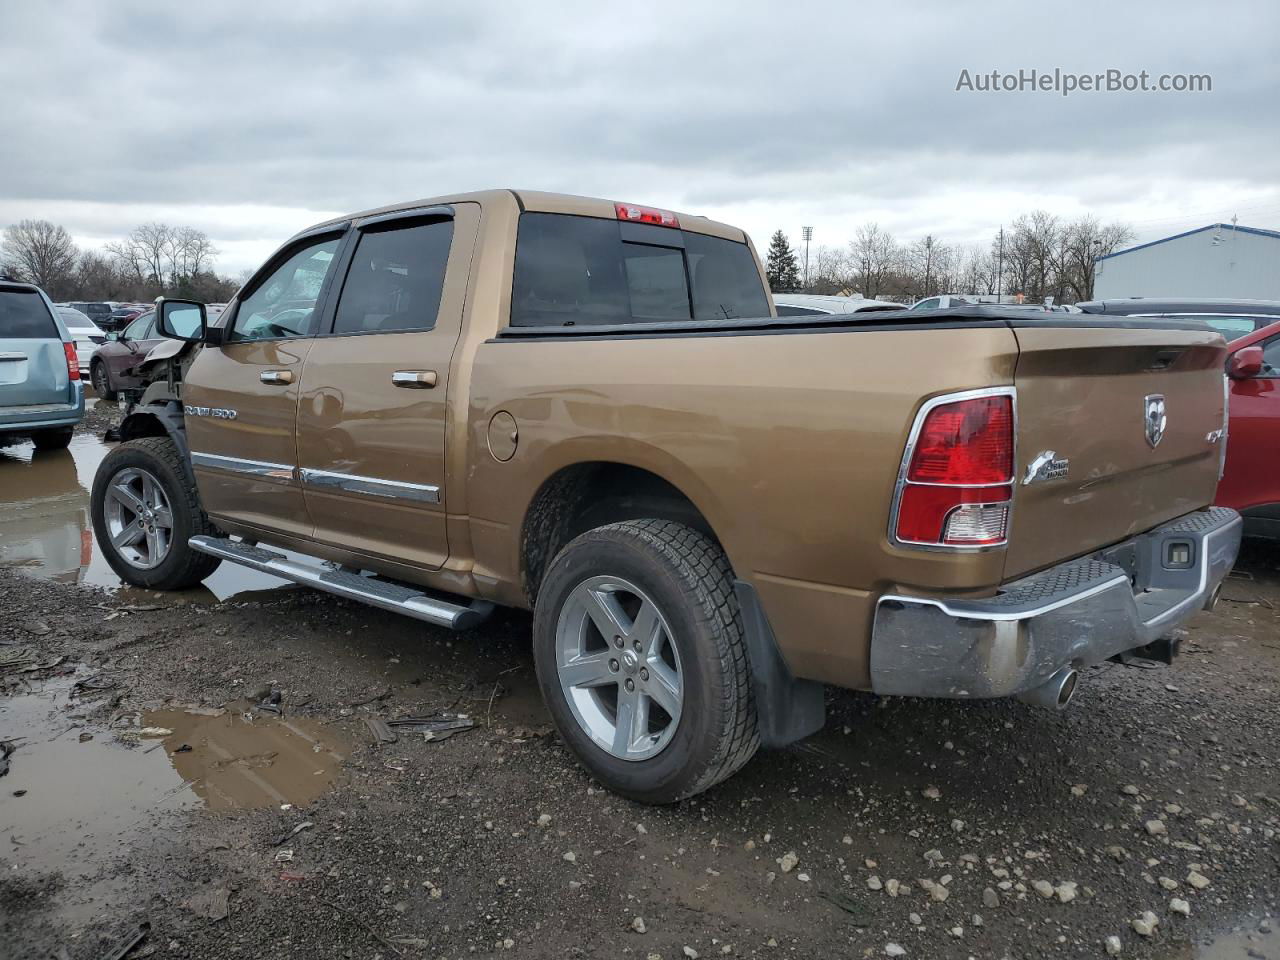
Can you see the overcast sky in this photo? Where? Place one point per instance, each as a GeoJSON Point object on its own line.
{"type": "Point", "coordinates": [252, 120]}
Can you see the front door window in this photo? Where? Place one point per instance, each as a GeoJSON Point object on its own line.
{"type": "Point", "coordinates": [283, 305]}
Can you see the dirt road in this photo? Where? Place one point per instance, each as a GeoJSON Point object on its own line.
{"type": "Point", "coordinates": [942, 829]}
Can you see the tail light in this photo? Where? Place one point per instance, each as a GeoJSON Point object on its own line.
{"type": "Point", "coordinates": [955, 486]}
{"type": "Point", "coordinates": [73, 362]}
{"type": "Point", "coordinates": [633, 214]}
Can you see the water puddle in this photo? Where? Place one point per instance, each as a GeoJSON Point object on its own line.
{"type": "Point", "coordinates": [45, 530]}
{"type": "Point", "coordinates": [66, 804]}
{"type": "Point", "coordinates": [237, 759]}
{"type": "Point", "coordinates": [78, 792]}
{"type": "Point", "coordinates": [1258, 939]}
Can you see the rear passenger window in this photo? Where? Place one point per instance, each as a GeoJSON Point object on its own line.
{"type": "Point", "coordinates": [395, 279]}
{"type": "Point", "coordinates": [142, 328]}
{"type": "Point", "coordinates": [23, 316]}
{"type": "Point", "coordinates": [587, 270]}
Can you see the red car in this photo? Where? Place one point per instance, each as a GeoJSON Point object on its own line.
{"type": "Point", "coordinates": [109, 368]}
{"type": "Point", "coordinates": [1251, 481]}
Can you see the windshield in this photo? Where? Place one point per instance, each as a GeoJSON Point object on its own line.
{"type": "Point", "coordinates": [584, 270]}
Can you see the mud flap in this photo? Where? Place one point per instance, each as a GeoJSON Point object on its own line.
{"type": "Point", "coordinates": [788, 709]}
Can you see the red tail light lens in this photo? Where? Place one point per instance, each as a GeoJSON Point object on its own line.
{"type": "Point", "coordinates": [73, 362]}
{"type": "Point", "coordinates": [633, 214]}
{"type": "Point", "coordinates": [970, 441]}
{"type": "Point", "coordinates": [958, 487]}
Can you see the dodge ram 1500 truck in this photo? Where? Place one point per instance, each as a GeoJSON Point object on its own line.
{"type": "Point", "coordinates": [589, 409]}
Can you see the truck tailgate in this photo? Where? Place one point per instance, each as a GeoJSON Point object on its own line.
{"type": "Point", "coordinates": [1082, 394]}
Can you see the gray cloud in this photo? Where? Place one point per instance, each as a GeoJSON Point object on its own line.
{"type": "Point", "coordinates": [248, 118]}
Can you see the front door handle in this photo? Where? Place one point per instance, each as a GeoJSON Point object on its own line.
{"type": "Point", "coordinates": [276, 376]}
{"type": "Point", "coordinates": [414, 379]}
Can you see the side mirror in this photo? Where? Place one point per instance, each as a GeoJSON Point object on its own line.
{"type": "Point", "coordinates": [181, 320]}
{"type": "Point", "coordinates": [1245, 364]}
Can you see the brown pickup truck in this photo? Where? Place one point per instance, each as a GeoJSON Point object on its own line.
{"type": "Point", "coordinates": [591, 410]}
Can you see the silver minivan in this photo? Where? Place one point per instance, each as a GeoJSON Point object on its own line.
{"type": "Point", "coordinates": [41, 394]}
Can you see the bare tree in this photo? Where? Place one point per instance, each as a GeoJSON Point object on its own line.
{"type": "Point", "coordinates": [929, 267]}
{"type": "Point", "coordinates": [144, 254]}
{"type": "Point", "coordinates": [190, 251]}
{"type": "Point", "coordinates": [1083, 242]}
{"type": "Point", "coordinates": [97, 278]}
{"type": "Point", "coordinates": [39, 252]}
{"type": "Point", "coordinates": [829, 272]}
{"type": "Point", "coordinates": [874, 254]}
{"type": "Point", "coordinates": [1036, 242]}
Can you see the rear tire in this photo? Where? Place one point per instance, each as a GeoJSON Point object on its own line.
{"type": "Point", "coordinates": [100, 377]}
{"type": "Point", "coordinates": [145, 508]}
{"type": "Point", "coordinates": [53, 439]}
{"type": "Point", "coordinates": [650, 578]}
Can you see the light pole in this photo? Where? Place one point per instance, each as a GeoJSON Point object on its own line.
{"type": "Point", "coordinates": [807, 234]}
{"type": "Point", "coordinates": [1000, 269]}
{"type": "Point", "coordinates": [928, 262]}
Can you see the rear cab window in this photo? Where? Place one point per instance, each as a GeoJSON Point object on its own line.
{"type": "Point", "coordinates": [574, 270]}
{"type": "Point", "coordinates": [24, 316]}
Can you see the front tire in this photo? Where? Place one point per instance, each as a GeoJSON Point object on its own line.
{"type": "Point", "coordinates": [101, 379]}
{"type": "Point", "coordinates": [641, 659]}
{"type": "Point", "coordinates": [53, 439]}
{"type": "Point", "coordinates": [145, 508]}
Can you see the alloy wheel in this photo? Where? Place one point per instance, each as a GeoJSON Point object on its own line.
{"type": "Point", "coordinates": [619, 668]}
{"type": "Point", "coordinates": [139, 518]}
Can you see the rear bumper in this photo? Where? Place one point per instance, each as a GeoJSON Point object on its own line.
{"type": "Point", "coordinates": [21, 421]}
{"type": "Point", "coordinates": [1074, 614]}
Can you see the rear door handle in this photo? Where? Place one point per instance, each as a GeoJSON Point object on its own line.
{"type": "Point", "coordinates": [414, 379]}
{"type": "Point", "coordinates": [276, 376]}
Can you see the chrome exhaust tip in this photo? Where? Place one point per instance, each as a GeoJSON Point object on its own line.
{"type": "Point", "coordinates": [1213, 598]}
{"type": "Point", "coordinates": [1055, 693]}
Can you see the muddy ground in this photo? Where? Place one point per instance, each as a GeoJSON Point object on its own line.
{"type": "Point", "coordinates": [1158, 785]}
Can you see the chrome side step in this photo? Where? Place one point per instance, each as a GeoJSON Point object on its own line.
{"type": "Point", "coordinates": [379, 592]}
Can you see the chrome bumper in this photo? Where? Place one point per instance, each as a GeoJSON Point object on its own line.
{"type": "Point", "coordinates": [1074, 614]}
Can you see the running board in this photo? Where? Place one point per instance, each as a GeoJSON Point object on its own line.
{"type": "Point", "coordinates": [376, 591]}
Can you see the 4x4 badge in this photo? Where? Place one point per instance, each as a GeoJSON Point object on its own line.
{"type": "Point", "coordinates": [1156, 421]}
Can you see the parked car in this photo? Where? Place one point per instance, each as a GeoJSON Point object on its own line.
{"type": "Point", "coordinates": [1251, 475]}
{"type": "Point", "coordinates": [99, 311]}
{"type": "Point", "coordinates": [41, 395]}
{"type": "Point", "coordinates": [947, 301]}
{"type": "Point", "coordinates": [124, 313]}
{"type": "Point", "coordinates": [111, 366]}
{"type": "Point", "coordinates": [1232, 318]}
{"type": "Point", "coordinates": [591, 409]}
{"type": "Point", "coordinates": [955, 300]}
{"type": "Point", "coordinates": [804, 304]}
{"type": "Point", "coordinates": [86, 335]}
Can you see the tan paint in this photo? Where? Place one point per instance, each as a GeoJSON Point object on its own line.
{"type": "Point", "coordinates": [789, 444]}
{"type": "Point", "coordinates": [353, 419]}
{"type": "Point", "coordinates": [1081, 393]}
{"type": "Point", "coordinates": [229, 378]}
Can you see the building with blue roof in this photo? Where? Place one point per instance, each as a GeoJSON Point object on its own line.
{"type": "Point", "coordinates": [1221, 260]}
